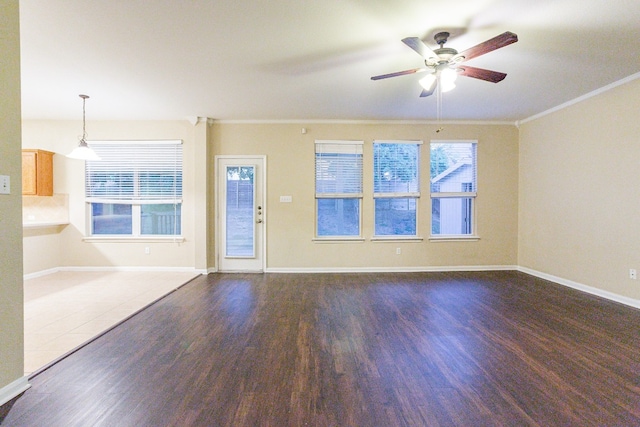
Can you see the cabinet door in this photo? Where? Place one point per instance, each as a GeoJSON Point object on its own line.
{"type": "Point", "coordinates": [37, 172]}
{"type": "Point", "coordinates": [29, 173]}
{"type": "Point", "coordinates": [44, 173]}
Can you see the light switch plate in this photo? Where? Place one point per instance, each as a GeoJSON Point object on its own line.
{"type": "Point", "coordinates": [285, 199]}
{"type": "Point", "coordinates": [5, 184]}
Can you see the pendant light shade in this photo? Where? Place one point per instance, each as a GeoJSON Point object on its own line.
{"type": "Point", "coordinates": [83, 151]}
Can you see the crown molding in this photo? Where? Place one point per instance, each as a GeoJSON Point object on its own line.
{"type": "Point", "coordinates": [580, 99]}
{"type": "Point", "coordinates": [369, 122]}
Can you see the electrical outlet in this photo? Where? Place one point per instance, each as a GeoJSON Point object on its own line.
{"type": "Point", "coordinates": [398, 251]}
{"type": "Point", "coordinates": [147, 250]}
{"type": "Point", "coordinates": [633, 274]}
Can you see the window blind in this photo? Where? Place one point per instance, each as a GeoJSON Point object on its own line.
{"type": "Point", "coordinates": [135, 171]}
{"type": "Point", "coordinates": [453, 167]}
{"type": "Point", "coordinates": [338, 168]}
{"type": "Point", "coordinates": [396, 168]}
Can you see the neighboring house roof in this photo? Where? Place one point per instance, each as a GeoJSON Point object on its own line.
{"type": "Point", "coordinates": [453, 168]}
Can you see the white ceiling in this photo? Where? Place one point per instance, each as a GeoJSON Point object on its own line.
{"type": "Point", "coordinates": [312, 60]}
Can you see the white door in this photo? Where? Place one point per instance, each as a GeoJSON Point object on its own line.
{"type": "Point", "coordinates": [241, 213]}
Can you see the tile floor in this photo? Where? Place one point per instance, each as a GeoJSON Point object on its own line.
{"type": "Point", "coordinates": [65, 309]}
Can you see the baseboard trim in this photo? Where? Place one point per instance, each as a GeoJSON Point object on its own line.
{"type": "Point", "coordinates": [41, 273]}
{"type": "Point", "coordinates": [112, 268]}
{"type": "Point", "coordinates": [423, 269]}
{"type": "Point", "coordinates": [582, 287]}
{"type": "Point", "coordinates": [11, 390]}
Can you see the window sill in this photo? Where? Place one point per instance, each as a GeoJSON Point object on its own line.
{"type": "Point", "coordinates": [408, 239]}
{"type": "Point", "coordinates": [338, 240]}
{"type": "Point", "coordinates": [133, 239]}
{"type": "Point", "coordinates": [454, 238]}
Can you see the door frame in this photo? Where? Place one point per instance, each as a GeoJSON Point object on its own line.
{"type": "Point", "coordinates": [262, 159]}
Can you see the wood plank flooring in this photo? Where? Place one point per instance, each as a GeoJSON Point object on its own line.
{"type": "Point", "coordinates": [410, 349]}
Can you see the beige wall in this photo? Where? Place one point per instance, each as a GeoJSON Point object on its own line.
{"type": "Point", "coordinates": [42, 249]}
{"type": "Point", "coordinates": [11, 295]}
{"type": "Point", "coordinates": [290, 169]}
{"type": "Point", "coordinates": [290, 165]}
{"type": "Point", "coordinates": [61, 137]}
{"type": "Point", "coordinates": [580, 192]}
{"type": "Point", "coordinates": [557, 197]}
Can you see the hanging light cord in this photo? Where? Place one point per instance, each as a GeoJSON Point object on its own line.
{"type": "Point", "coordinates": [84, 131]}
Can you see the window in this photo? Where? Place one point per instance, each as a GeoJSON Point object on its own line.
{"type": "Point", "coordinates": [135, 189]}
{"type": "Point", "coordinates": [453, 187]}
{"type": "Point", "coordinates": [396, 187]}
{"type": "Point", "coordinates": [338, 188]}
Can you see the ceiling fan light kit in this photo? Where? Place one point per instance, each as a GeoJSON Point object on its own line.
{"type": "Point", "coordinates": [428, 82]}
{"type": "Point", "coordinates": [448, 78]}
{"type": "Point", "coordinates": [444, 63]}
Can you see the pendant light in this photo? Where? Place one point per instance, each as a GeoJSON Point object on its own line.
{"type": "Point", "coordinates": [83, 151]}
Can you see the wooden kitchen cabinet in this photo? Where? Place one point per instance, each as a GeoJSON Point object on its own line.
{"type": "Point", "coordinates": [37, 172]}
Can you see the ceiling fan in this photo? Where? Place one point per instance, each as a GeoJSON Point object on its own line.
{"type": "Point", "coordinates": [444, 64]}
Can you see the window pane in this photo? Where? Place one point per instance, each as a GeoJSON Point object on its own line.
{"type": "Point", "coordinates": [395, 217]}
{"type": "Point", "coordinates": [160, 185]}
{"type": "Point", "coordinates": [135, 170]}
{"type": "Point", "coordinates": [395, 168]}
{"type": "Point", "coordinates": [453, 170]}
{"type": "Point", "coordinates": [162, 219]}
{"type": "Point", "coordinates": [453, 167]}
{"type": "Point", "coordinates": [114, 185]}
{"type": "Point", "coordinates": [338, 173]}
{"type": "Point", "coordinates": [240, 225]}
{"type": "Point", "coordinates": [145, 177]}
{"type": "Point", "coordinates": [110, 218]}
{"type": "Point", "coordinates": [451, 216]}
{"type": "Point", "coordinates": [338, 217]}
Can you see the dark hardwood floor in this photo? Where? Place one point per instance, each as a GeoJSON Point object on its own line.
{"type": "Point", "coordinates": [411, 349]}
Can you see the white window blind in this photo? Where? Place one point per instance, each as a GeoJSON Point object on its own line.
{"type": "Point", "coordinates": [338, 169]}
{"type": "Point", "coordinates": [396, 187]}
{"type": "Point", "coordinates": [396, 168]}
{"type": "Point", "coordinates": [135, 171]}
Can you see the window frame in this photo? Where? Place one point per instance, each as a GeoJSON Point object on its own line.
{"type": "Point", "coordinates": [471, 195]}
{"type": "Point", "coordinates": [354, 193]}
{"type": "Point", "coordinates": [137, 199]}
{"type": "Point", "coordinates": [408, 195]}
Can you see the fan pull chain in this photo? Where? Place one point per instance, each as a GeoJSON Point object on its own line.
{"type": "Point", "coordinates": [438, 105]}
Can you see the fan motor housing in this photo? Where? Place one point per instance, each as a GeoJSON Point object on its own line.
{"type": "Point", "coordinates": [445, 52]}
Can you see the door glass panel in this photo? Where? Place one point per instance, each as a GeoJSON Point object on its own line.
{"type": "Point", "coordinates": [240, 224]}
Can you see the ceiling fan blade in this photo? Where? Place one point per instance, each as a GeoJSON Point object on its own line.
{"type": "Point", "coordinates": [490, 45]}
{"type": "Point", "coordinates": [423, 50]}
{"type": "Point", "coordinates": [399, 73]}
{"type": "Point", "coordinates": [481, 73]}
